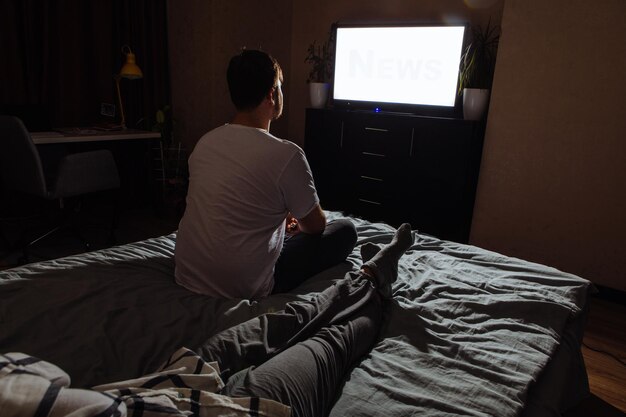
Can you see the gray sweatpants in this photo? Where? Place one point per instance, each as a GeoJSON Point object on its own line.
{"type": "Point", "coordinates": [301, 355]}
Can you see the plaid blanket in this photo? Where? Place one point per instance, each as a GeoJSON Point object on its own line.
{"type": "Point", "coordinates": [184, 386]}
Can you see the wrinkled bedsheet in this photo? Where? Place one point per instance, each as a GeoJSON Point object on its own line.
{"type": "Point", "coordinates": [469, 332]}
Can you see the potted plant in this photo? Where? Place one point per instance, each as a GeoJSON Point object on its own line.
{"type": "Point", "coordinates": [478, 63]}
{"type": "Point", "coordinates": [320, 57]}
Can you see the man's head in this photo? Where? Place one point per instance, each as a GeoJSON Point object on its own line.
{"type": "Point", "coordinates": [252, 76]}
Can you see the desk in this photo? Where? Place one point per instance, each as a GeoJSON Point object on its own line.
{"type": "Point", "coordinates": [130, 148]}
{"type": "Point", "coordinates": [90, 135]}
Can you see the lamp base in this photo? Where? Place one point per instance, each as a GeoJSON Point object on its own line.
{"type": "Point", "coordinates": [119, 99]}
{"type": "Point", "coordinates": [109, 127]}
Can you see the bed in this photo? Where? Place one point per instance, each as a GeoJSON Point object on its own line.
{"type": "Point", "coordinates": [469, 332]}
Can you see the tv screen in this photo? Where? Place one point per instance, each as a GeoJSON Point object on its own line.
{"type": "Point", "coordinates": [397, 67]}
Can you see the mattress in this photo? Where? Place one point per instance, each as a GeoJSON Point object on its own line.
{"type": "Point", "coordinates": [469, 331]}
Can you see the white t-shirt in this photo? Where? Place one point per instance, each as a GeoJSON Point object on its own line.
{"type": "Point", "coordinates": [243, 182]}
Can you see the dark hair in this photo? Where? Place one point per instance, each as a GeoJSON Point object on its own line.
{"type": "Point", "coordinates": [251, 75]}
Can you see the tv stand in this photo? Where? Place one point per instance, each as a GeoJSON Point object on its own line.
{"type": "Point", "coordinates": [397, 168]}
{"type": "Point", "coordinates": [391, 112]}
{"type": "Point", "coordinates": [421, 111]}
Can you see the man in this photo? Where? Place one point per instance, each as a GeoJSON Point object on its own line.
{"type": "Point", "coordinates": [246, 188]}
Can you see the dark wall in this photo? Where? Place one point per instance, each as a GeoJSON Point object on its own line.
{"type": "Point", "coordinates": [60, 57]}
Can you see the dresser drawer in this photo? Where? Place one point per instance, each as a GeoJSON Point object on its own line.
{"type": "Point", "coordinates": [370, 209]}
{"type": "Point", "coordinates": [378, 139]}
{"type": "Point", "coordinates": [384, 210]}
{"type": "Point", "coordinates": [372, 189]}
{"type": "Point", "coordinates": [376, 166]}
{"type": "Point", "coordinates": [384, 194]}
{"type": "Point", "coordinates": [383, 167]}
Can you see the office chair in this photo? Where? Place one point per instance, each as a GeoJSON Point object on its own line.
{"type": "Point", "coordinates": [77, 174]}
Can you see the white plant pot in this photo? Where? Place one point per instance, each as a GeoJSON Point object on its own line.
{"type": "Point", "coordinates": [475, 103]}
{"type": "Point", "coordinates": [319, 94]}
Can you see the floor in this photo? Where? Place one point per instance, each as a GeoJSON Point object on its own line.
{"type": "Point", "coordinates": [604, 350]}
{"type": "Point", "coordinates": [604, 346]}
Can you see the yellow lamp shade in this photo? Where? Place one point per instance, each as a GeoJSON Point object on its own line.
{"type": "Point", "coordinates": [130, 69]}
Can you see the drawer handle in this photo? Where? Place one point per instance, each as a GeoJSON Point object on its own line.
{"type": "Point", "coordinates": [380, 155]}
{"type": "Point", "coordinates": [376, 129]}
{"type": "Point", "coordinates": [376, 203]}
{"type": "Point", "coordinates": [371, 178]}
{"type": "Point", "coordinates": [412, 137]}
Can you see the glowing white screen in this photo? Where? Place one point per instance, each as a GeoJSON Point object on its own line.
{"type": "Point", "coordinates": [409, 65]}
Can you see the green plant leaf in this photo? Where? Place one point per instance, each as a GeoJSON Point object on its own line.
{"type": "Point", "coordinates": [479, 57]}
{"type": "Point", "coordinates": [320, 57]}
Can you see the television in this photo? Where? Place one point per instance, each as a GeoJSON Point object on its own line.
{"type": "Point", "coordinates": [408, 68]}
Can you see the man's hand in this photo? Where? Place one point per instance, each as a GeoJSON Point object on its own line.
{"type": "Point", "coordinates": [314, 222]}
{"type": "Point", "coordinates": [291, 225]}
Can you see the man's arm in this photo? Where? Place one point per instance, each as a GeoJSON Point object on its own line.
{"type": "Point", "coordinates": [314, 222]}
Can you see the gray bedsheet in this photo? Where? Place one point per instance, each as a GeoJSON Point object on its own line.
{"type": "Point", "coordinates": [470, 332]}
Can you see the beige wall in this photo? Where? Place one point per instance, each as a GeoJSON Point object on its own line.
{"type": "Point", "coordinates": [552, 184]}
{"type": "Point", "coordinates": [312, 20]}
{"type": "Point", "coordinates": [203, 36]}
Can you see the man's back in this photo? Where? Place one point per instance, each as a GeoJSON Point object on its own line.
{"type": "Point", "coordinates": [243, 181]}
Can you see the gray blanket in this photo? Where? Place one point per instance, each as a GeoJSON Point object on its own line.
{"type": "Point", "coordinates": [470, 332]}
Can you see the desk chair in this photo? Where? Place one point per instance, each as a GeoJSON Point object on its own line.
{"type": "Point", "coordinates": [77, 174]}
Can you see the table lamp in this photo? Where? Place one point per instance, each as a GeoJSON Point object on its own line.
{"type": "Point", "coordinates": [129, 70]}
